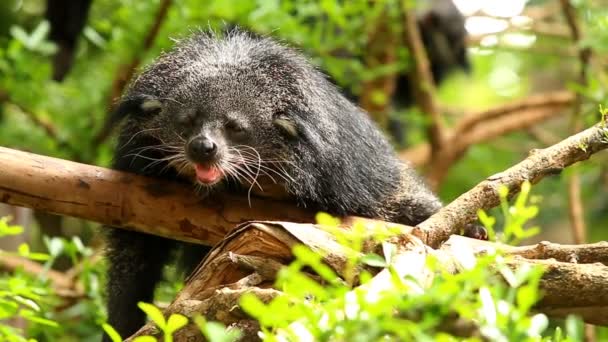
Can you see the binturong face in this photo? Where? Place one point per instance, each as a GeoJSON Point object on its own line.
{"type": "Point", "coordinates": [215, 121]}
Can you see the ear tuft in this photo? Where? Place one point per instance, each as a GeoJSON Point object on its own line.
{"type": "Point", "coordinates": [151, 105]}
{"type": "Point", "coordinates": [287, 126]}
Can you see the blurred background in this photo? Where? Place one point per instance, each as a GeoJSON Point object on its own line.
{"type": "Point", "coordinates": [511, 76]}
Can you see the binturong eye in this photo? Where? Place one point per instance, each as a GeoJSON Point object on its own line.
{"type": "Point", "coordinates": [234, 127]}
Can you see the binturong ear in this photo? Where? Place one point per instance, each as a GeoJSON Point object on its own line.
{"type": "Point", "coordinates": [141, 105]}
{"type": "Point", "coordinates": [287, 127]}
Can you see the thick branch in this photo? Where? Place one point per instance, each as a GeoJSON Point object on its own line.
{"type": "Point", "coordinates": [551, 100]}
{"type": "Point", "coordinates": [173, 210]}
{"type": "Point", "coordinates": [577, 254]}
{"type": "Point", "coordinates": [568, 287]}
{"type": "Point", "coordinates": [126, 200]}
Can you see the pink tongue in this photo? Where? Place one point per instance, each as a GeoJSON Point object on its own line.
{"type": "Point", "coordinates": [207, 174]}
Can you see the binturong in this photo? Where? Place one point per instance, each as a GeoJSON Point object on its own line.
{"type": "Point", "coordinates": [239, 113]}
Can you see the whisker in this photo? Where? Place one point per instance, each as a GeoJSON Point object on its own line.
{"type": "Point", "coordinates": [136, 134]}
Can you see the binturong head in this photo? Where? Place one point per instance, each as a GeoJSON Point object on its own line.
{"type": "Point", "coordinates": [216, 109]}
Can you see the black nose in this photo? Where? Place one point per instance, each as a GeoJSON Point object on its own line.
{"type": "Point", "coordinates": [201, 148]}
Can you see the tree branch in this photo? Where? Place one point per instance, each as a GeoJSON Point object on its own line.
{"type": "Point", "coordinates": [551, 100]}
{"type": "Point", "coordinates": [120, 199]}
{"type": "Point", "coordinates": [488, 124]}
{"type": "Point", "coordinates": [64, 285]}
{"type": "Point", "coordinates": [422, 80]}
{"type": "Point", "coordinates": [479, 127]}
{"type": "Point", "coordinates": [538, 165]}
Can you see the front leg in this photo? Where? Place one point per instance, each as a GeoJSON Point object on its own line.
{"type": "Point", "coordinates": [136, 264]}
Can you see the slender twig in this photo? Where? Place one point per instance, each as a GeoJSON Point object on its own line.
{"type": "Point", "coordinates": [576, 211]}
{"type": "Point", "coordinates": [49, 129]}
{"type": "Point", "coordinates": [488, 124]}
{"type": "Point", "coordinates": [575, 208]}
{"type": "Point", "coordinates": [545, 101]}
{"type": "Point", "coordinates": [63, 285]}
{"type": "Point", "coordinates": [422, 80]}
{"type": "Point", "coordinates": [381, 50]}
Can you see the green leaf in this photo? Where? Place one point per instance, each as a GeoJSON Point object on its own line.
{"type": "Point", "coordinates": [574, 328]}
{"type": "Point", "coordinates": [20, 35]}
{"type": "Point", "coordinates": [388, 249]}
{"type": "Point", "coordinates": [39, 256]}
{"type": "Point", "coordinates": [373, 260]}
{"type": "Point", "coordinates": [154, 314]}
{"type": "Point", "coordinates": [8, 230]}
{"type": "Point", "coordinates": [314, 260]}
{"type": "Point", "coordinates": [216, 332]}
{"type": "Point", "coordinates": [112, 333]}
{"type": "Point", "coordinates": [488, 307]}
{"type": "Point", "coordinates": [40, 320]}
{"type": "Point", "coordinates": [39, 33]}
{"type": "Point", "coordinates": [145, 339]}
{"type": "Point", "coordinates": [325, 219]}
{"type": "Point", "coordinates": [252, 305]}
{"type": "Point", "coordinates": [55, 245]}
{"type": "Point", "coordinates": [538, 324]}
{"type": "Point", "coordinates": [23, 250]}
{"type": "Point", "coordinates": [176, 322]}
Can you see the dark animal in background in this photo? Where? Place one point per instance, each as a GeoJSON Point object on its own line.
{"type": "Point", "coordinates": [442, 28]}
{"type": "Point", "coordinates": [67, 19]}
{"type": "Point", "coordinates": [229, 114]}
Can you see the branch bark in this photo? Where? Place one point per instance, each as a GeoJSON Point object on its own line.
{"type": "Point", "coordinates": [120, 199]}
{"type": "Point", "coordinates": [538, 165]}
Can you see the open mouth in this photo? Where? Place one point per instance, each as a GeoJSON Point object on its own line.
{"type": "Point", "coordinates": [208, 174]}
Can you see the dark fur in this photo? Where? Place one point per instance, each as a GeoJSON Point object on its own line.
{"type": "Point", "coordinates": [335, 157]}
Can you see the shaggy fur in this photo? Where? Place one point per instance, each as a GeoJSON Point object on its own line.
{"type": "Point", "coordinates": [274, 117]}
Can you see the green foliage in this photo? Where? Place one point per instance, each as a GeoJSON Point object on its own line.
{"type": "Point", "coordinates": [216, 332]}
{"type": "Point", "coordinates": [169, 326]}
{"type": "Point", "coordinates": [33, 298]}
{"type": "Point", "coordinates": [515, 216]}
{"type": "Point", "coordinates": [213, 331]}
{"type": "Point", "coordinates": [486, 293]}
